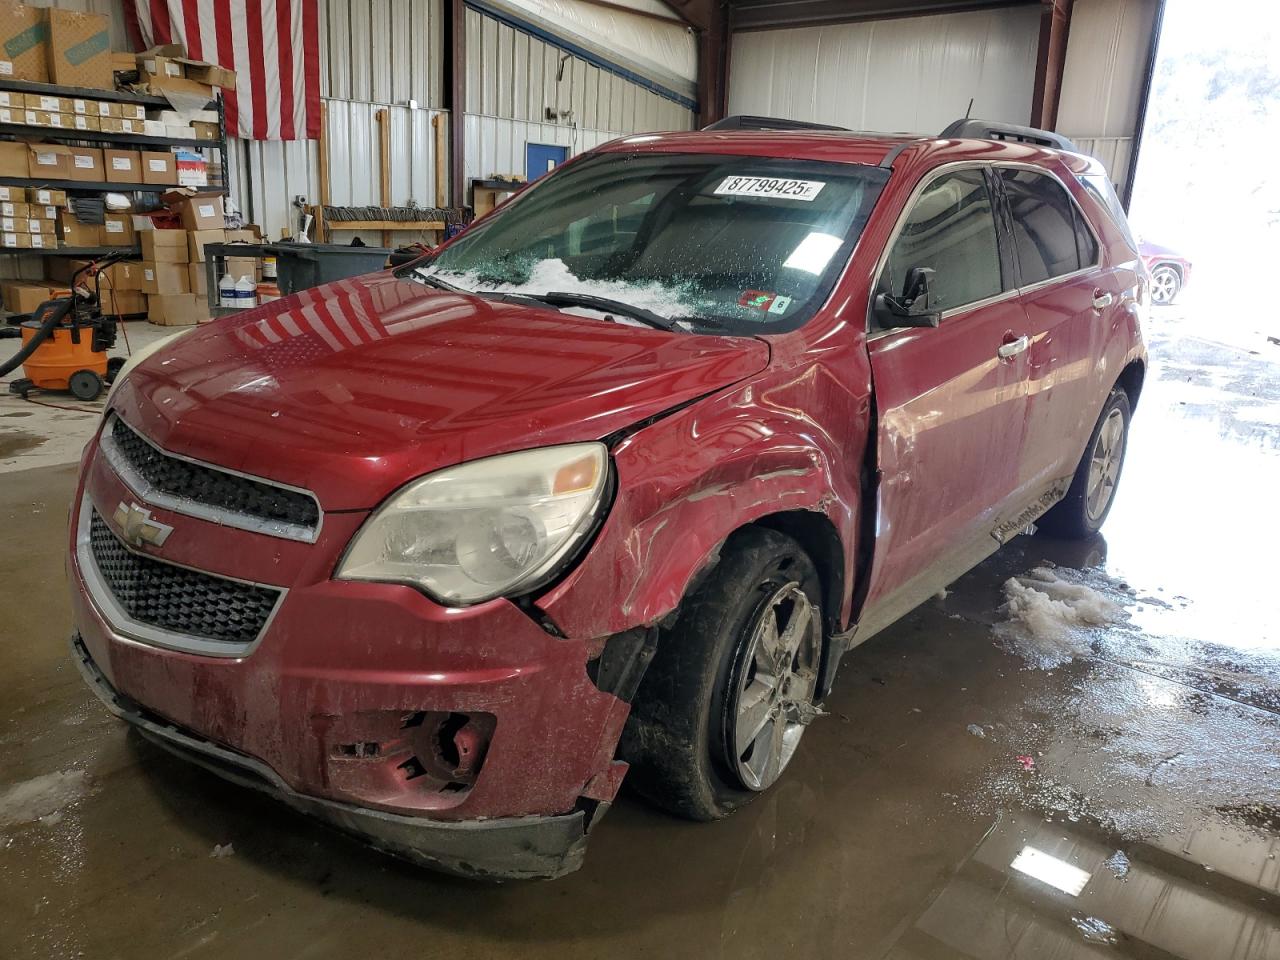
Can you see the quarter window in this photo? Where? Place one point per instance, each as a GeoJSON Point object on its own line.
{"type": "Point", "coordinates": [952, 230]}
{"type": "Point", "coordinates": [1045, 225]}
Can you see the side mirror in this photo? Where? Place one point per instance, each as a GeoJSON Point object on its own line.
{"type": "Point", "coordinates": [914, 308]}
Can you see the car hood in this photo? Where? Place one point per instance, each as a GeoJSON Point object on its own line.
{"type": "Point", "coordinates": [356, 387]}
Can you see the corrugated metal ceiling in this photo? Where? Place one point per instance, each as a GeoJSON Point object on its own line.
{"type": "Point", "coordinates": [763, 14]}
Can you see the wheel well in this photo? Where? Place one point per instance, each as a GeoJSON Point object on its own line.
{"type": "Point", "coordinates": [817, 535]}
{"type": "Point", "coordinates": [1176, 268]}
{"type": "Point", "coordinates": [1130, 381]}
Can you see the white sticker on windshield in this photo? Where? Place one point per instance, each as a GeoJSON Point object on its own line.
{"type": "Point", "coordinates": [770, 187]}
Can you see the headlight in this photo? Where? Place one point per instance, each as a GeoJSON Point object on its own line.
{"type": "Point", "coordinates": [490, 528]}
{"type": "Point", "coordinates": [141, 354]}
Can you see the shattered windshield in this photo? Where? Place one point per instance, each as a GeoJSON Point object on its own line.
{"type": "Point", "coordinates": [728, 244]}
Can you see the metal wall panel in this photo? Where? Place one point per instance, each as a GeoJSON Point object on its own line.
{"type": "Point", "coordinates": [382, 51]}
{"type": "Point", "coordinates": [281, 171]}
{"type": "Point", "coordinates": [513, 78]}
{"type": "Point", "coordinates": [913, 73]}
{"type": "Point", "coordinates": [1102, 80]}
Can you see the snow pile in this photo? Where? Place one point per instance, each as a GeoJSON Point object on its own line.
{"type": "Point", "coordinates": [546, 276]}
{"type": "Point", "coordinates": [41, 798]}
{"type": "Point", "coordinates": [223, 850]}
{"type": "Point", "coordinates": [1050, 616]}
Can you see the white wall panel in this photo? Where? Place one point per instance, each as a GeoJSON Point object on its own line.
{"type": "Point", "coordinates": [909, 74]}
{"type": "Point", "coordinates": [1107, 51]}
{"type": "Point", "coordinates": [382, 51]}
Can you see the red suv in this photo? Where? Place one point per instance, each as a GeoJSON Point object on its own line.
{"type": "Point", "coordinates": [609, 483]}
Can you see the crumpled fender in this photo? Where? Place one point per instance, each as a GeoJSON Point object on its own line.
{"type": "Point", "coordinates": [685, 483]}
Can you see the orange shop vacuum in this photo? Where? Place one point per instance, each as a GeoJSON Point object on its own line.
{"type": "Point", "coordinates": [65, 342]}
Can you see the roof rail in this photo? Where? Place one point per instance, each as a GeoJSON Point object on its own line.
{"type": "Point", "coordinates": [747, 122]}
{"type": "Point", "coordinates": [996, 130]}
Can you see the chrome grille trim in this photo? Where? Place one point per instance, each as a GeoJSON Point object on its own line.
{"type": "Point", "coordinates": [125, 627]}
{"type": "Point", "coordinates": [147, 491]}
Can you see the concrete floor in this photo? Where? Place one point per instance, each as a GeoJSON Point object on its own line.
{"type": "Point", "coordinates": [893, 832]}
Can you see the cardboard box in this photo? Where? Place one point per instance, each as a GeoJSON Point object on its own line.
{"type": "Point", "coordinates": [199, 211]}
{"type": "Point", "coordinates": [14, 208]}
{"type": "Point", "coordinates": [24, 296]}
{"type": "Point", "coordinates": [87, 164]}
{"type": "Point", "coordinates": [48, 161]}
{"type": "Point", "coordinates": [80, 49]}
{"type": "Point", "coordinates": [74, 233]}
{"type": "Point", "coordinates": [196, 239]}
{"type": "Point", "coordinates": [30, 117]}
{"type": "Point", "coordinates": [159, 85]}
{"type": "Point", "coordinates": [12, 115]}
{"type": "Point", "coordinates": [205, 131]}
{"type": "Point", "coordinates": [176, 310]}
{"type": "Point", "coordinates": [117, 231]}
{"type": "Point", "coordinates": [109, 124]}
{"type": "Point", "coordinates": [13, 194]}
{"type": "Point", "coordinates": [210, 73]}
{"type": "Point", "coordinates": [43, 241]}
{"type": "Point", "coordinates": [105, 108]}
{"type": "Point", "coordinates": [122, 166]}
{"type": "Point", "coordinates": [164, 246]}
{"type": "Point", "coordinates": [47, 101]}
{"type": "Point", "coordinates": [17, 241]}
{"type": "Point", "coordinates": [198, 277]}
{"type": "Point", "coordinates": [44, 195]}
{"type": "Point", "coordinates": [80, 121]}
{"type": "Point", "coordinates": [13, 159]}
{"type": "Point", "coordinates": [155, 65]}
{"type": "Point", "coordinates": [122, 303]}
{"type": "Point", "coordinates": [127, 276]}
{"type": "Point", "coordinates": [130, 111]}
{"type": "Point", "coordinates": [241, 267]}
{"type": "Point", "coordinates": [24, 41]}
{"type": "Point", "coordinates": [248, 234]}
{"type": "Point", "coordinates": [133, 126]}
{"type": "Point", "coordinates": [158, 166]}
{"type": "Point", "coordinates": [164, 277]}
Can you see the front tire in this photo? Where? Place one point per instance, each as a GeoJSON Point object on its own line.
{"type": "Point", "coordinates": [1081, 513]}
{"type": "Point", "coordinates": [1166, 283]}
{"type": "Point", "coordinates": [727, 698]}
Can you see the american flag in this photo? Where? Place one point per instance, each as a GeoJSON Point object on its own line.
{"type": "Point", "coordinates": [273, 45]}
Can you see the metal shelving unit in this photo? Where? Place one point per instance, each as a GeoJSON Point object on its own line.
{"type": "Point", "coordinates": [92, 185]}
{"type": "Point", "coordinates": [63, 135]}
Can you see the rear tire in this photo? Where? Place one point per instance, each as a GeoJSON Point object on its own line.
{"type": "Point", "coordinates": [729, 693]}
{"type": "Point", "coordinates": [1081, 513]}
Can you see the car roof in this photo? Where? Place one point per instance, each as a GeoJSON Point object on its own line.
{"type": "Point", "coordinates": [843, 146]}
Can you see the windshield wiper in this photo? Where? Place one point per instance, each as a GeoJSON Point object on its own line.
{"type": "Point", "coordinates": [431, 280]}
{"type": "Point", "coordinates": [563, 299]}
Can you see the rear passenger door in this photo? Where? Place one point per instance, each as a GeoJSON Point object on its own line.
{"type": "Point", "coordinates": [1067, 300]}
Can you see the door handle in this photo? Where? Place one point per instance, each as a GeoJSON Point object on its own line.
{"type": "Point", "coordinates": [1013, 347]}
{"type": "Point", "coordinates": [1101, 299]}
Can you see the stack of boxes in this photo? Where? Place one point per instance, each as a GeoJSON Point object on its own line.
{"type": "Point", "coordinates": [51, 45]}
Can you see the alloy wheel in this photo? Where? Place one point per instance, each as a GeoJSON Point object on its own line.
{"type": "Point", "coordinates": [1104, 464]}
{"type": "Point", "coordinates": [1164, 285]}
{"type": "Point", "coordinates": [774, 701]}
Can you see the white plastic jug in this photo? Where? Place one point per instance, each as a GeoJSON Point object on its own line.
{"type": "Point", "coordinates": [246, 293]}
{"type": "Point", "coordinates": [227, 291]}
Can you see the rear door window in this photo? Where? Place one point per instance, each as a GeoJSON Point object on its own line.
{"type": "Point", "coordinates": [1044, 226]}
{"type": "Point", "coordinates": [951, 228]}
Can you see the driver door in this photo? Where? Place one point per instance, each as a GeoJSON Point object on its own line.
{"type": "Point", "coordinates": [951, 400]}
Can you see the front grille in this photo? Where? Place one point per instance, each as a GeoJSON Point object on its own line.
{"type": "Point", "coordinates": [176, 599]}
{"type": "Point", "coordinates": [210, 487]}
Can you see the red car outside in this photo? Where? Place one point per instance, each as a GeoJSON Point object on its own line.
{"type": "Point", "coordinates": [1169, 270]}
{"type": "Point", "coordinates": [610, 482]}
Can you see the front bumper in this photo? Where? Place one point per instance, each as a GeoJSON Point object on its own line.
{"type": "Point", "coordinates": [532, 847]}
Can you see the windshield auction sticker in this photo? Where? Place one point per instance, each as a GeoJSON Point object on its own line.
{"type": "Point", "coordinates": [770, 187]}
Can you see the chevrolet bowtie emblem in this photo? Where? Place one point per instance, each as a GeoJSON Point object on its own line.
{"type": "Point", "coordinates": [137, 527]}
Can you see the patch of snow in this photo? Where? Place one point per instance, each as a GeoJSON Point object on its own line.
{"type": "Point", "coordinates": [554, 275]}
{"type": "Point", "coordinates": [1095, 930]}
{"type": "Point", "coordinates": [1051, 612]}
{"type": "Point", "coordinates": [222, 850]}
{"type": "Point", "coordinates": [42, 798]}
{"type": "Point", "coordinates": [1118, 864]}
{"type": "Point", "coordinates": [977, 731]}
